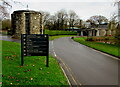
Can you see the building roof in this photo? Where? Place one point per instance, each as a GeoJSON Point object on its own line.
{"type": "Point", "coordinates": [27, 11]}
{"type": "Point", "coordinates": [101, 26]}
{"type": "Point", "coordinates": [104, 26]}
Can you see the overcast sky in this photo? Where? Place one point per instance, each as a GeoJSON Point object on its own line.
{"type": "Point", "coordinates": [84, 8]}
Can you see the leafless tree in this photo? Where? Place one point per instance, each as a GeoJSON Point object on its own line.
{"type": "Point", "coordinates": [45, 18]}
{"type": "Point", "coordinates": [117, 35]}
{"type": "Point", "coordinates": [51, 23]}
{"type": "Point", "coordinates": [112, 22]}
{"type": "Point", "coordinates": [61, 18]}
{"type": "Point", "coordinates": [78, 23]}
{"type": "Point", "coordinates": [98, 19]}
{"type": "Point", "coordinates": [5, 6]}
{"type": "Point", "coordinates": [4, 9]}
{"type": "Point", "coordinates": [72, 17]}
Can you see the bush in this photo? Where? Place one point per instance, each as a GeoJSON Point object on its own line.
{"type": "Point", "coordinates": [90, 39]}
{"type": "Point", "coordinates": [106, 38]}
{"type": "Point", "coordinates": [72, 37]}
{"type": "Point", "coordinates": [6, 24]}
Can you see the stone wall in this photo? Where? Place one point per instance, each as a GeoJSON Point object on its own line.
{"type": "Point", "coordinates": [102, 32]}
{"type": "Point", "coordinates": [26, 22]}
{"type": "Point", "coordinates": [35, 22]}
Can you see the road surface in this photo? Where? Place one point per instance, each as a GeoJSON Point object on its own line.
{"type": "Point", "coordinates": [8, 38]}
{"type": "Point", "coordinates": [88, 66]}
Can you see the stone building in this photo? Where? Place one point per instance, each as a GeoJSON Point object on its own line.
{"type": "Point", "coordinates": [26, 22]}
{"type": "Point", "coordinates": [100, 30]}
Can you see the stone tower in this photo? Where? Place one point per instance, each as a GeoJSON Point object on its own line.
{"type": "Point", "coordinates": [26, 22]}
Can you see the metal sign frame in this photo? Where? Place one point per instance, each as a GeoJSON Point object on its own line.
{"type": "Point", "coordinates": [34, 45]}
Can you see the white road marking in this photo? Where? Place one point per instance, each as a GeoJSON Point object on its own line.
{"type": "Point", "coordinates": [55, 54]}
{"type": "Point", "coordinates": [65, 76]}
{"type": "Point", "coordinates": [53, 49]}
{"type": "Point", "coordinates": [68, 69]}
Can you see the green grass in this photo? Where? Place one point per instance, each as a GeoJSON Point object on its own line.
{"type": "Point", "coordinates": [59, 36]}
{"type": "Point", "coordinates": [34, 71]}
{"type": "Point", "coordinates": [108, 48]}
{"type": "Point", "coordinates": [60, 32]}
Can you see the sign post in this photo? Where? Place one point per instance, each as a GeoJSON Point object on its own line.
{"type": "Point", "coordinates": [22, 54]}
{"type": "Point", "coordinates": [35, 45]}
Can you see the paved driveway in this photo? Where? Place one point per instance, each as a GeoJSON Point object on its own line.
{"type": "Point", "coordinates": [88, 66]}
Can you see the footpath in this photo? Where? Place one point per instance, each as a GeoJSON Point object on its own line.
{"type": "Point", "coordinates": [8, 38]}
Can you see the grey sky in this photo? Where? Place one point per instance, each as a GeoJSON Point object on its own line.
{"type": "Point", "coordinates": [84, 9]}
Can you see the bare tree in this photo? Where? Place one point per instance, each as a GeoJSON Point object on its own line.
{"type": "Point", "coordinates": [45, 18]}
{"type": "Point", "coordinates": [78, 23]}
{"type": "Point", "coordinates": [98, 19]}
{"type": "Point", "coordinates": [51, 23]}
{"type": "Point", "coordinates": [117, 35]}
{"type": "Point", "coordinates": [72, 17]}
{"type": "Point", "coordinates": [61, 18]}
{"type": "Point", "coordinates": [4, 9]}
{"type": "Point", "coordinates": [5, 6]}
{"type": "Point", "coordinates": [113, 22]}
{"type": "Point", "coordinates": [119, 12]}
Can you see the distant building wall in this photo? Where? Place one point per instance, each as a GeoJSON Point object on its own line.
{"type": "Point", "coordinates": [102, 32]}
{"type": "Point", "coordinates": [26, 22]}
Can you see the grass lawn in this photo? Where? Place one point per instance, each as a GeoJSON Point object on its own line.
{"type": "Point", "coordinates": [59, 36]}
{"type": "Point", "coordinates": [51, 32]}
{"type": "Point", "coordinates": [34, 71]}
{"type": "Point", "coordinates": [108, 48]}
{"type": "Point", "coordinates": [60, 32]}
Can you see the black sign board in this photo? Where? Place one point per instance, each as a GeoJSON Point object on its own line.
{"type": "Point", "coordinates": [34, 45]}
